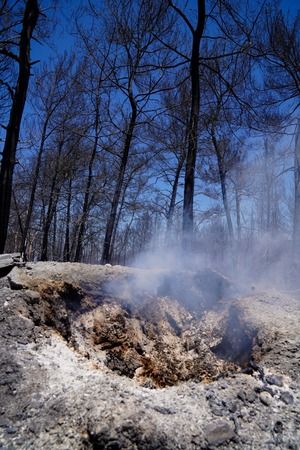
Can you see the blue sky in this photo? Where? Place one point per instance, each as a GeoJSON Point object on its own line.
{"type": "Point", "coordinates": [63, 40]}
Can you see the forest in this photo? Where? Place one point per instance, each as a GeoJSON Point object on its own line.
{"type": "Point", "coordinates": [149, 224]}
{"type": "Point", "coordinates": [128, 125]}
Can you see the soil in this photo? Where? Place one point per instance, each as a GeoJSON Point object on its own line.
{"type": "Point", "coordinates": [101, 357]}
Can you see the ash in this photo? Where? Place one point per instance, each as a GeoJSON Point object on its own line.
{"type": "Point", "coordinates": [94, 358]}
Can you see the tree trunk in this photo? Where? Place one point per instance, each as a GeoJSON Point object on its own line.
{"type": "Point", "coordinates": [86, 202]}
{"type": "Point", "coordinates": [268, 187]}
{"type": "Point", "coordinates": [238, 213]}
{"type": "Point", "coordinates": [54, 192]}
{"type": "Point", "coordinates": [54, 237]}
{"type": "Point", "coordinates": [31, 14]}
{"type": "Point", "coordinates": [19, 220]}
{"type": "Point", "coordinates": [222, 176]}
{"type": "Point", "coordinates": [171, 209]}
{"type": "Point", "coordinates": [118, 217]}
{"type": "Point", "coordinates": [107, 250]}
{"type": "Point", "coordinates": [296, 234]}
{"type": "Point", "coordinates": [67, 252]}
{"type": "Point", "coordinates": [189, 182]}
{"type": "Point", "coordinates": [33, 190]}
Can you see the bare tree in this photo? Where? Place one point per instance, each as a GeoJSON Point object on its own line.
{"type": "Point", "coordinates": [223, 83]}
{"type": "Point", "coordinates": [134, 38]}
{"type": "Point", "coordinates": [279, 43]}
{"type": "Point", "coordinates": [30, 17]}
{"type": "Point", "coordinates": [92, 80]}
{"type": "Point", "coordinates": [52, 90]}
{"type": "Point", "coordinates": [192, 134]}
{"type": "Point", "coordinates": [172, 136]}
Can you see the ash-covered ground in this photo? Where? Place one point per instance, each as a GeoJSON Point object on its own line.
{"type": "Point", "coordinates": [112, 358]}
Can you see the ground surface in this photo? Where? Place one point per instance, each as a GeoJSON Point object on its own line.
{"type": "Point", "coordinates": [114, 358]}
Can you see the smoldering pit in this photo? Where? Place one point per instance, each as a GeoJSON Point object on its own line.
{"type": "Point", "coordinates": [177, 326]}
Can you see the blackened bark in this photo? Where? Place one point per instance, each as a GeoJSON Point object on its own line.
{"type": "Point", "coordinates": [87, 194]}
{"type": "Point", "coordinates": [189, 182]}
{"type": "Point", "coordinates": [268, 187]}
{"type": "Point", "coordinates": [53, 198]}
{"type": "Point", "coordinates": [67, 252]}
{"type": "Point", "coordinates": [171, 209]}
{"type": "Point", "coordinates": [33, 190]}
{"type": "Point", "coordinates": [18, 216]}
{"type": "Point", "coordinates": [30, 17]}
{"type": "Point", "coordinates": [238, 213]}
{"type": "Point", "coordinates": [54, 238]}
{"type": "Point", "coordinates": [222, 176]}
{"type": "Point", "coordinates": [118, 216]}
{"type": "Point", "coordinates": [107, 250]}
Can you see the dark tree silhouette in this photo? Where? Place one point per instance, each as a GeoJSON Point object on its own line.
{"type": "Point", "coordinates": [30, 18]}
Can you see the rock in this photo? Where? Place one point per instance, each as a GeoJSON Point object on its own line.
{"type": "Point", "coordinates": [278, 427]}
{"type": "Point", "coordinates": [8, 262]}
{"type": "Point", "coordinates": [34, 297]}
{"type": "Point", "coordinates": [287, 398]}
{"type": "Point", "coordinates": [218, 410]}
{"type": "Point", "coordinates": [114, 445]}
{"type": "Point", "coordinates": [263, 426]}
{"type": "Point", "coordinates": [274, 379]}
{"type": "Point", "coordinates": [265, 389]}
{"type": "Point", "coordinates": [242, 396]}
{"type": "Point", "coordinates": [219, 432]}
{"type": "Point", "coordinates": [14, 279]}
{"type": "Point", "coordinates": [265, 398]}
{"type": "Point", "coordinates": [246, 396]}
{"type": "Point", "coordinates": [164, 410]}
{"type": "Point", "coordinates": [233, 407]}
{"type": "Point", "coordinates": [251, 397]}
{"type": "Point", "coordinates": [198, 441]}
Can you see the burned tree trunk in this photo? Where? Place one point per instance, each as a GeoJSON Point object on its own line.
{"type": "Point", "coordinates": [222, 176]}
{"type": "Point", "coordinates": [238, 213]}
{"type": "Point", "coordinates": [53, 198]}
{"type": "Point", "coordinates": [66, 251]}
{"type": "Point", "coordinates": [107, 250]}
{"type": "Point", "coordinates": [171, 209]}
{"type": "Point", "coordinates": [30, 17]}
{"type": "Point", "coordinates": [87, 194]}
{"type": "Point", "coordinates": [54, 234]}
{"type": "Point", "coordinates": [189, 182]}
{"type": "Point", "coordinates": [33, 190]}
{"type": "Point", "coordinates": [117, 221]}
{"type": "Point", "coordinates": [268, 186]}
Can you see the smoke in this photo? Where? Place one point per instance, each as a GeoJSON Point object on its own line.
{"type": "Point", "coordinates": [199, 279]}
{"type": "Point", "coordinates": [269, 263]}
{"type": "Point", "coordinates": [174, 273]}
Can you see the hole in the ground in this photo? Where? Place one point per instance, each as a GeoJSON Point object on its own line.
{"type": "Point", "coordinates": [237, 342]}
{"type": "Point", "coordinates": [158, 341]}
